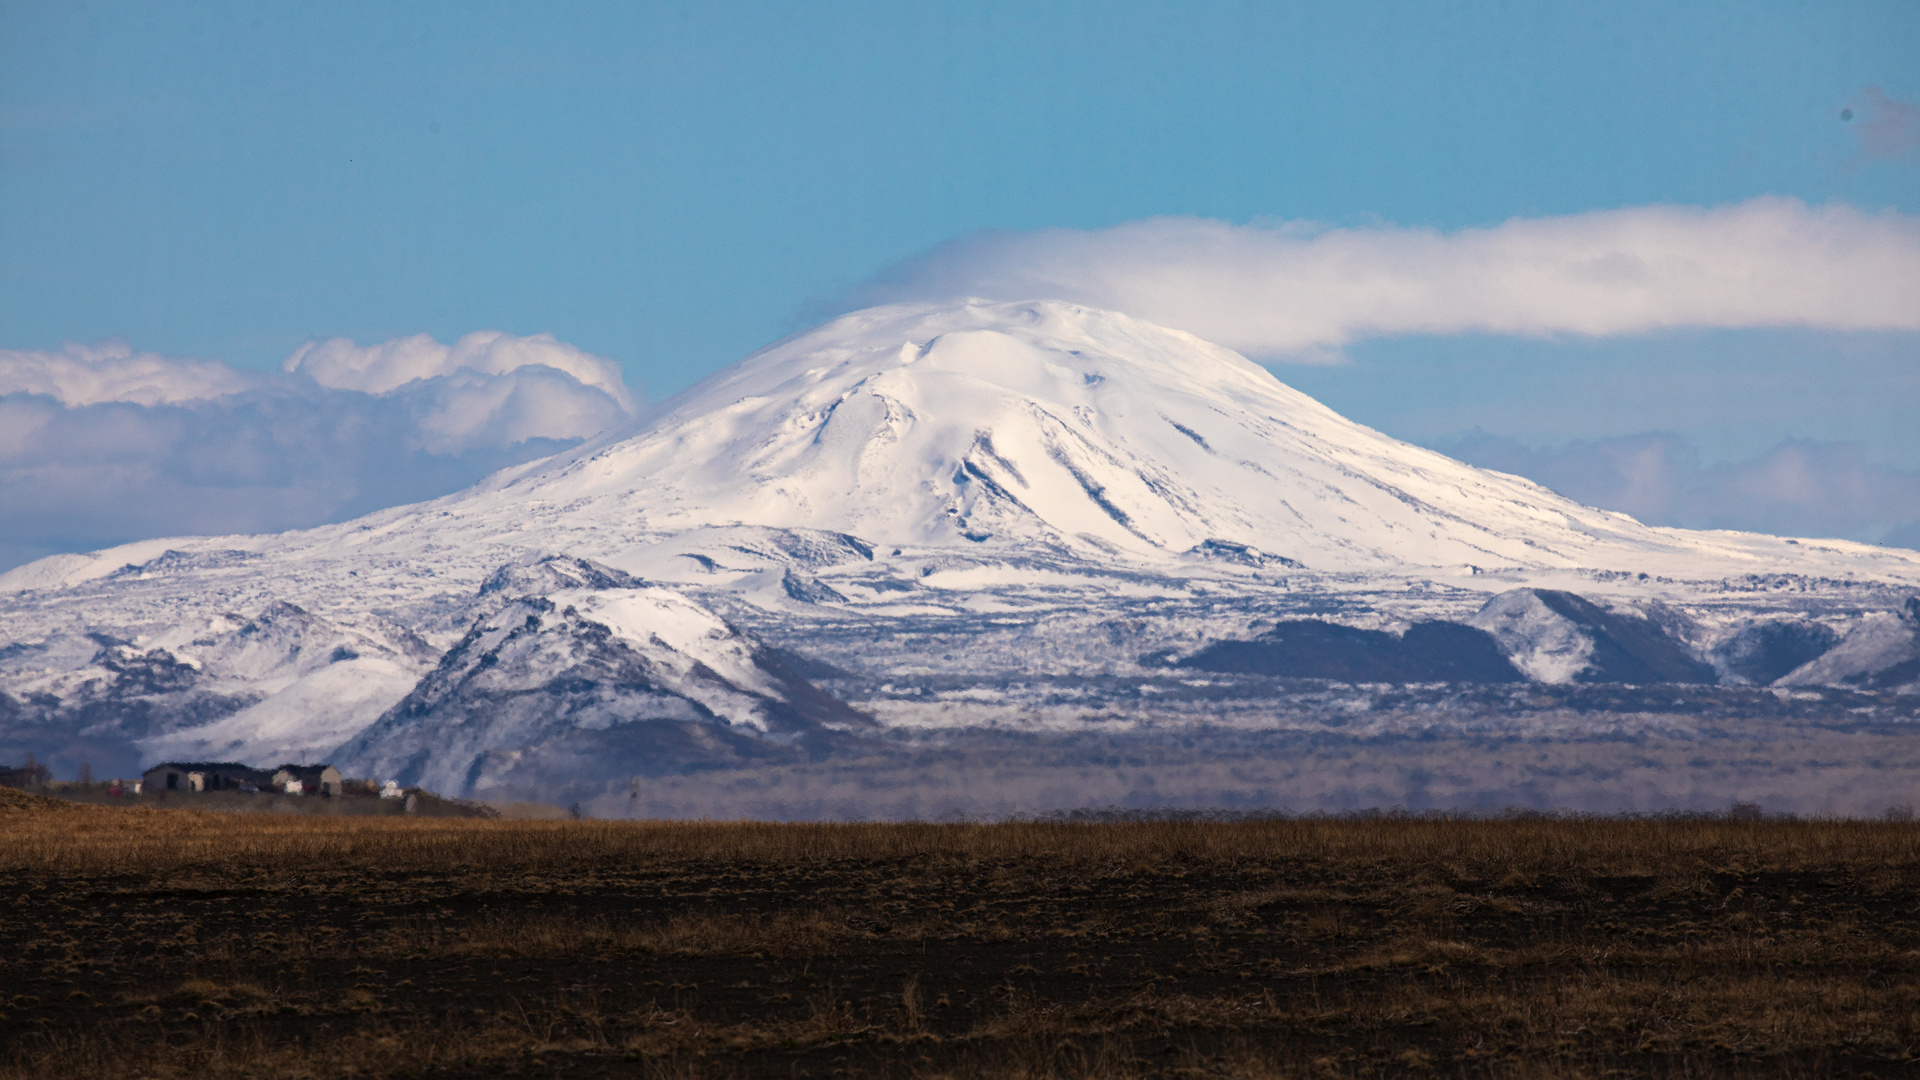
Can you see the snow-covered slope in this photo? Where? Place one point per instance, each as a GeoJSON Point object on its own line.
{"type": "Point", "coordinates": [1558, 637]}
{"type": "Point", "coordinates": [610, 675]}
{"type": "Point", "coordinates": [266, 688]}
{"type": "Point", "coordinates": [1882, 648]}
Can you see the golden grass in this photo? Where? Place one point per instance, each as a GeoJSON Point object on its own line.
{"type": "Point", "coordinates": [1511, 851]}
{"type": "Point", "coordinates": [14, 802]}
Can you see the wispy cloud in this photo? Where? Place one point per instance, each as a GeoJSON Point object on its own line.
{"type": "Point", "coordinates": [1299, 291]}
{"type": "Point", "coordinates": [1798, 488]}
{"type": "Point", "coordinates": [102, 444]}
{"type": "Point", "coordinates": [1888, 127]}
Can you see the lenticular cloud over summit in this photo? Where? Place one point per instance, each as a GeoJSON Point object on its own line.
{"type": "Point", "coordinates": [1301, 291]}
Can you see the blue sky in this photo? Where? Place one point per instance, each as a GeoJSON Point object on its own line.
{"type": "Point", "coordinates": [672, 185]}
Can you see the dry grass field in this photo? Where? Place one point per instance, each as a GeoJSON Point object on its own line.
{"type": "Point", "coordinates": [142, 943]}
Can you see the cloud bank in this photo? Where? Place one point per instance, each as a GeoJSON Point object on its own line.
{"type": "Point", "coordinates": [488, 389]}
{"type": "Point", "coordinates": [100, 444]}
{"type": "Point", "coordinates": [1301, 292]}
{"type": "Point", "coordinates": [1798, 488]}
{"type": "Point", "coordinates": [110, 371]}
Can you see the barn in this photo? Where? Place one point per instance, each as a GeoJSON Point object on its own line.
{"type": "Point", "coordinates": [202, 776]}
{"type": "Point", "coordinates": [307, 780]}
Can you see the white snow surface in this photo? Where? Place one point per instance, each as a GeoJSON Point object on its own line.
{"type": "Point", "coordinates": [1546, 646]}
{"type": "Point", "coordinates": [677, 638]}
{"type": "Point", "coordinates": [1879, 641]}
{"type": "Point", "coordinates": [309, 716]}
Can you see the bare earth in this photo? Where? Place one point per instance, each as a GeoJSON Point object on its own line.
{"type": "Point", "coordinates": [179, 943]}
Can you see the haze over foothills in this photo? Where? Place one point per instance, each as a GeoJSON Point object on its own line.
{"type": "Point", "coordinates": [266, 266]}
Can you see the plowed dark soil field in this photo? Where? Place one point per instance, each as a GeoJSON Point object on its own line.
{"type": "Point", "coordinates": [184, 944]}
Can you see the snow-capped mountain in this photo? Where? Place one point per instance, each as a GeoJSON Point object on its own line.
{"type": "Point", "coordinates": [903, 505]}
{"type": "Point", "coordinates": [1089, 432]}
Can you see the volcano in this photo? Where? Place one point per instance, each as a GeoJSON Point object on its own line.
{"type": "Point", "coordinates": [1000, 496]}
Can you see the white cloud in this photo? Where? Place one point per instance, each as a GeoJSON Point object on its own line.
{"type": "Point", "coordinates": [100, 444]}
{"type": "Point", "coordinates": [111, 371]}
{"type": "Point", "coordinates": [466, 409]}
{"type": "Point", "coordinates": [377, 369]}
{"type": "Point", "coordinates": [488, 389]}
{"type": "Point", "coordinates": [1302, 292]}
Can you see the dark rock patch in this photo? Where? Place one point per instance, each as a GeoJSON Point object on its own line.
{"type": "Point", "coordinates": [1763, 652]}
{"type": "Point", "coordinates": [1314, 649]}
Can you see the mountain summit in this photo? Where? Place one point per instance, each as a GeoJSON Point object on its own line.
{"type": "Point", "coordinates": [1084, 430]}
